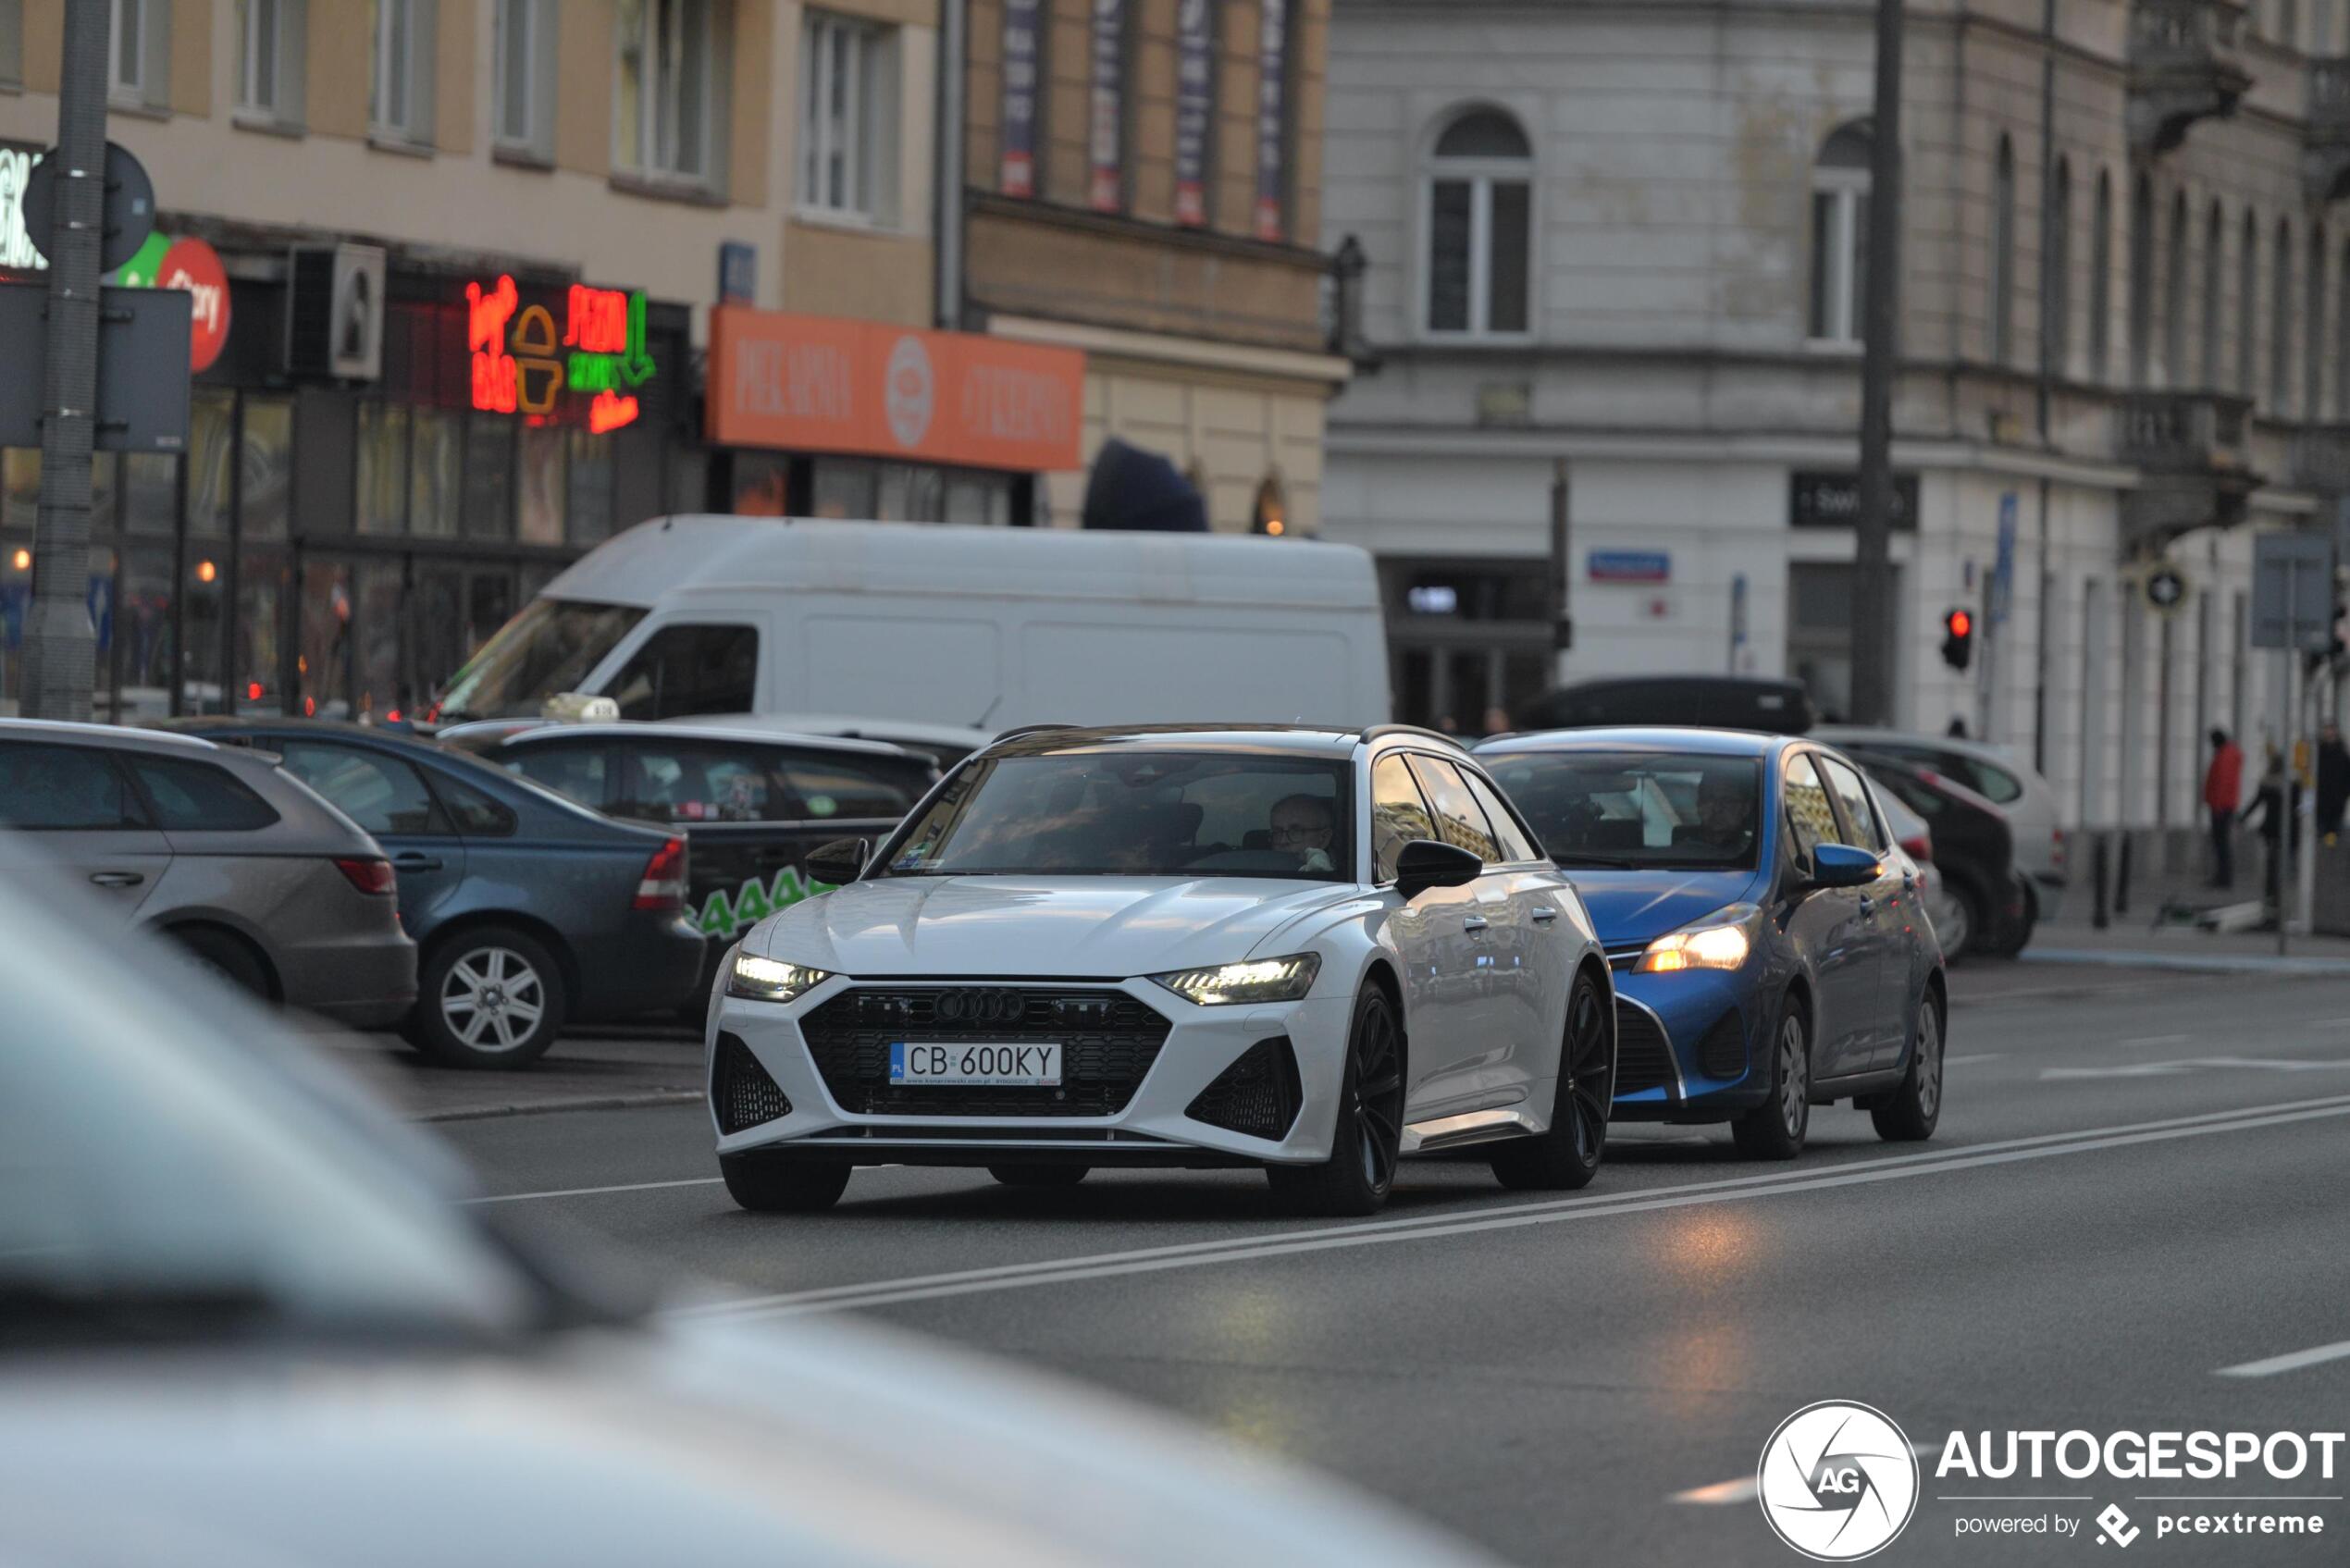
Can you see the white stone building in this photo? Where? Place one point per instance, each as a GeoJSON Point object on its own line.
{"type": "Point", "coordinates": [1627, 235]}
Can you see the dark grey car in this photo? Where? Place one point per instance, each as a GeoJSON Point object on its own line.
{"type": "Point", "coordinates": [222, 850]}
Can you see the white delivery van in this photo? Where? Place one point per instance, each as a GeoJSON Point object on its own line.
{"type": "Point", "coordinates": [952, 625]}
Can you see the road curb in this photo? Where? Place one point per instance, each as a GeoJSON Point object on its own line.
{"type": "Point", "coordinates": [2193, 963]}
{"type": "Point", "coordinates": [549, 1107]}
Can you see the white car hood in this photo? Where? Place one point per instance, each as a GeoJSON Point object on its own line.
{"type": "Point", "coordinates": [1095, 927]}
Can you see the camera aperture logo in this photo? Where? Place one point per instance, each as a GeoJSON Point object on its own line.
{"type": "Point", "coordinates": [1839, 1481]}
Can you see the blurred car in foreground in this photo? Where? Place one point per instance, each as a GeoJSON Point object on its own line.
{"type": "Point", "coordinates": [245, 1319]}
{"type": "Point", "coordinates": [1763, 926]}
{"type": "Point", "coordinates": [1974, 845]}
{"type": "Point", "coordinates": [1952, 924]}
{"type": "Point", "coordinates": [2023, 797]}
{"type": "Point", "coordinates": [528, 909]}
{"type": "Point", "coordinates": [1175, 945]}
{"type": "Point", "coordinates": [751, 802]}
{"type": "Point", "coordinates": [222, 851]}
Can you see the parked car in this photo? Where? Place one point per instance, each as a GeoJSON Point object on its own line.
{"type": "Point", "coordinates": [1181, 947]}
{"type": "Point", "coordinates": [1759, 918]}
{"type": "Point", "coordinates": [944, 745]}
{"type": "Point", "coordinates": [528, 909]}
{"type": "Point", "coordinates": [1972, 845]}
{"type": "Point", "coordinates": [751, 803]}
{"type": "Point", "coordinates": [1999, 776]}
{"type": "Point", "coordinates": [695, 615]}
{"type": "Point", "coordinates": [1953, 922]}
{"type": "Point", "coordinates": [251, 1319]}
{"type": "Point", "coordinates": [1729, 702]}
{"type": "Point", "coordinates": [219, 849]}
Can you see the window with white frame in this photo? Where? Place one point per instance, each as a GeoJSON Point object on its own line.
{"type": "Point", "coordinates": [12, 43]}
{"type": "Point", "coordinates": [523, 84]}
{"type": "Point", "coordinates": [138, 53]}
{"type": "Point", "coordinates": [400, 104]}
{"type": "Point", "coordinates": [1840, 234]}
{"type": "Point", "coordinates": [666, 116]}
{"type": "Point", "coordinates": [269, 60]}
{"type": "Point", "coordinates": [1480, 194]}
{"type": "Point", "coordinates": [848, 116]}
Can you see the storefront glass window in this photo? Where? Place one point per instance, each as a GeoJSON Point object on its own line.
{"type": "Point", "coordinates": [591, 488]}
{"type": "Point", "coordinates": [150, 489]}
{"type": "Point", "coordinates": [381, 691]}
{"type": "Point", "coordinates": [763, 486]}
{"type": "Point", "coordinates": [490, 477]}
{"type": "Point", "coordinates": [845, 487]}
{"type": "Point", "coordinates": [103, 704]}
{"type": "Point", "coordinates": [20, 488]}
{"type": "Point", "coordinates": [688, 480]}
{"type": "Point", "coordinates": [203, 628]}
{"type": "Point", "coordinates": [435, 440]}
{"type": "Point", "coordinates": [543, 463]}
{"type": "Point", "coordinates": [911, 494]}
{"type": "Point", "coordinates": [104, 474]}
{"type": "Point", "coordinates": [211, 438]}
{"type": "Point", "coordinates": [490, 604]}
{"type": "Point", "coordinates": [327, 668]}
{"type": "Point", "coordinates": [259, 672]}
{"type": "Point", "coordinates": [983, 498]}
{"type": "Point", "coordinates": [16, 596]}
{"type": "Point", "coordinates": [383, 468]}
{"type": "Point", "coordinates": [436, 628]}
{"type": "Point", "coordinates": [266, 469]}
{"type": "Point", "coordinates": [143, 627]}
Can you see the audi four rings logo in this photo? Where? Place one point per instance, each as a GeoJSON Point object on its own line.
{"type": "Point", "coordinates": [1838, 1481]}
{"type": "Point", "coordinates": [981, 1007]}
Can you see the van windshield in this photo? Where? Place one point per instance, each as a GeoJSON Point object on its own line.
{"type": "Point", "coordinates": [548, 649]}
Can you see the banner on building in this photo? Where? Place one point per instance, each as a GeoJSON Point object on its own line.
{"type": "Point", "coordinates": [1105, 130]}
{"type": "Point", "coordinates": [1194, 107]}
{"type": "Point", "coordinates": [1023, 92]}
{"type": "Point", "coordinates": [1272, 120]}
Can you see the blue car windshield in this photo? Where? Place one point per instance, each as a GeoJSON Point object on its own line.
{"type": "Point", "coordinates": [1631, 810]}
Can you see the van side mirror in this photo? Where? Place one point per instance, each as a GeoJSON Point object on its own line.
{"type": "Point", "coordinates": [1424, 863]}
{"type": "Point", "coordinates": [838, 862]}
{"type": "Point", "coordinates": [1842, 865]}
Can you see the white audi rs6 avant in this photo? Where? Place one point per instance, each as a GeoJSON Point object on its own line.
{"type": "Point", "coordinates": [1307, 949]}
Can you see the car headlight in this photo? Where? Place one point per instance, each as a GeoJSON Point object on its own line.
{"type": "Point", "coordinates": [1260, 980]}
{"type": "Point", "coordinates": [771, 980]}
{"type": "Point", "coordinates": [1721, 941]}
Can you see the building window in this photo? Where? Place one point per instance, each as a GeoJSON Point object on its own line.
{"type": "Point", "coordinates": [2003, 254]}
{"type": "Point", "coordinates": [524, 80]}
{"type": "Point", "coordinates": [2172, 372]}
{"type": "Point", "coordinates": [666, 115]}
{"type": "Point", "coordinates": [1026, 36]}
{"type": "Point", "coordinates": [2288, 22]}
{"type": "Point", "coordinates": [2141, 283]}
{"type": "Point", "coordinates": [1274, 53]}
{"type": "Point", "coordinates": [2101, 280]}
{"type": "Point", "coordinates": [2056, 288]}
{"type": "Point", "coordinates": [138, 53]}
{"type": "Point", "coordinates": [12, 43]}
{"type": "Point", "coordinates": [848, 117]}
{"type": "Point", "coordinates": [401, 107]}
{"type": "Point", "coordinates": [2281, 320]}
{"type": "Point", "coordinates": [2342, 342]}
{"type": "Point", "coordinates": [1106, 117]}
{"type": "Point", "coordinates": [2247, 306]}
{"type": "Point", "coordinates": [2215, 239]}
{"type": "Point", "coordinates": [2313, 363]}
{"type": "Point", "coordinates": [1480, 194]}
{"type": "Point", "coordinates": [270, 50]}
{"type": "Point", "coordinates": [1840, 235]}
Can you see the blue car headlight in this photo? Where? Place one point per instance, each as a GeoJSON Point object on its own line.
{"type": "Point", "coordinates": [1721, 941]}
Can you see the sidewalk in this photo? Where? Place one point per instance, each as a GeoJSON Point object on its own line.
{"type": "Point", "coordinates": [2134, 939]}
{"type": "Point", "coordinates": [600, 1069]}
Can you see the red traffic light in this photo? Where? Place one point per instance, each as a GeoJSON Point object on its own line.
{"type": "Point", "coordinates": [1958, 624]}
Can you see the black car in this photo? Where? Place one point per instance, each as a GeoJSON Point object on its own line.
{"type": "Point", "coordinates": [1973, 847]}
{"type": "Point", "coordinates": [751, 803]}
{"type": "Point", "coordinates": [1721, 702]}
{"type": "Point", "coordinates": [528, 910]}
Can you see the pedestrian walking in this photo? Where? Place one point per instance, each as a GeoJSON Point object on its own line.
{"type": "Point", "coordinates": [2333, 780]}
{"type": "Point", "coordinates": [2272, 804]}
{"type": "Point", "coordinates": [2222, 794]}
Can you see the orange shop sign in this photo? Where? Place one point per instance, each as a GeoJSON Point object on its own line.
{"type": "Point", "coordinates": [818, 383]}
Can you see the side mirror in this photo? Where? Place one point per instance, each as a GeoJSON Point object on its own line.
{"type": "Point", "coordinates": [1841, 865]}
{"type": "Point", "coordinates": [838, 862]}
{"type": "Point", "coordinates": [1424, 863]}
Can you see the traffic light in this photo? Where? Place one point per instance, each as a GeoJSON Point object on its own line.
{"type": "Point", "coordinates": [1958, 638]}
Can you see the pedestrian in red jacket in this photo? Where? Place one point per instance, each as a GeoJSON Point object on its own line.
{"type": "Point", "coordinates": [2222, 793]}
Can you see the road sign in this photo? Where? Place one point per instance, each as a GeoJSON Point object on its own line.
{"type": "Point", "coordinates": [2292, 591]}
{"type": "Point", "coordinates": [190, 264]}
{"type": "Point", "coordinates": [143, 368]}
{"type": "Point", "coordinates": [1630, 566]}
{"type": "Point", "coordinates": [130, 206]}
{"type": "Point", "coordinates": [2166, 588]}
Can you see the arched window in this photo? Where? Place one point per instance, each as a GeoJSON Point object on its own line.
{"type": "Point", "coordinates": [1840, 234]}
{"type": "Point", "coordinates": [2313, 331]}
{"type": "Point", "coordinates": [2056, 288]}
{"type": "Point", "coordinates": [2248, 308]}
{"type": "Point", "coordinates": [2342, 342]}
{"type": "Point", "coordinates": [2281, 320]}
{"type": "Point", "coordinates": [2142, 282]}
{"type": "Point", "coordinates": [2215, 265]}
{"type": "Point", "coordinates": [2101, 281]}
{"type": "Point", "coordinates": [1480, 227]}
{"type": "Point", "coordinates": [2174, 297]}
{"type": "Point", "coordinates": [2003, 254]}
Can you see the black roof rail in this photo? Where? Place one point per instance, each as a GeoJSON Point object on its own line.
{"type": "Point", "coordinates": [1419, 731]}
{"type": "Point", "coordinates": [1019, 730]}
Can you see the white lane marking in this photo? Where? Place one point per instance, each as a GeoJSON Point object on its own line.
{"type": "Point", "coordinates": [2157, 1040]}
{"type": "Point", "coordinates": [2293, 1362]}
{"type": "Point", "coordinates": [1973, 1056]}
{"type": "Point", "coordinates": [592, 1191]}
{"type": "Point", "coordinates": [1745, 1486]}
{"type": "Point", "coordinates": [2194, 1063]}
{"type": "Point", "coordinates": [1375, 1233]}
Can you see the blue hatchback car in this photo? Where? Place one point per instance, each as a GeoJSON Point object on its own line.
{"type": "Point", "coordinates": [528, 910]}
{"type": "Point", "coordinates": [1768, 942]}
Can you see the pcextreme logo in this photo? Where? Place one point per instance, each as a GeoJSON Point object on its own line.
{"type": "Point", "coordinates": [725, 915]}
{"type": "Point", "coordinates": [1839, 1481]}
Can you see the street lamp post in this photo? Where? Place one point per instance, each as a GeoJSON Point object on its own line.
{"type": "Point", "coordinates": [1872, 574]}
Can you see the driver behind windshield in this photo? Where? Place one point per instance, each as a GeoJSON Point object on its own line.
{"type": "Point", "coordinates": [1300, 826]}
{"type": "Point", "coordinates": [1725, 816]}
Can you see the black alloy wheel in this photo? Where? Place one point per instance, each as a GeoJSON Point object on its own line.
{"type": "Point", "coordinates": [1368, 1138]}
{"type": "Point", "coordinates": [1775, 1128]}
{"type": "Point", "coordinates": [1568, 1156]}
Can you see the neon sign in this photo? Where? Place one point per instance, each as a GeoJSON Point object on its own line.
{"type": "Point", "coordinates": [520, 366]}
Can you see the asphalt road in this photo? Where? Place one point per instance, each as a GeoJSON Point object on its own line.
{"type": "Point", "coordinates": [2142, 1182]}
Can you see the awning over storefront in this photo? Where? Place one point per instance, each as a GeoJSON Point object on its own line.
{"type": "Point", "coordinates": [821, 384]}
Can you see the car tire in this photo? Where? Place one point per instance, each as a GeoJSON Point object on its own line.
{"type": "Point", "coordinates": [774, 1186]}
{"type": "Point", "coordinates": [1568, 1156]}
{"type": "Point", "coordinates": [227, 958]}
{"type": "Point", "coordinates": [1368, 1137]}
{"type": "Point", "coordinates": [488, 996]}
{"type": "Point", "coordinates": [1039, 1175]}
{"type": "Point", "coordinates": [1960, 932]}
{"type": "Point", "coordinates": [1775, 1128]}
{"type": "Point", "coordinates": [1982, 926]}
{"type": "Point", "coordinates": [1910, 1113]}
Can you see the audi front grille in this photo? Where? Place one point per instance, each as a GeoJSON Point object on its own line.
{"type": "Point", "coordinates": [1108, 1041]}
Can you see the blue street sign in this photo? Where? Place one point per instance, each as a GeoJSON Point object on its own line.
{"type": "Point", "coordinates": [1630, 566]}
{"type": "Point", "coordinates": [2003, 573]}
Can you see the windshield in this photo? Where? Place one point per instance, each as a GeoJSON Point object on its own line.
{"type": "Point", "coordinates": [1136, 813]}
{"type": "Point", "coordinates": [548, 649]}
{"type": "Point", "coordinates": [1636, 810]}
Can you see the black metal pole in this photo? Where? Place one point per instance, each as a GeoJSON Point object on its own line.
{"type": "Point", "coordinates": [1872, 651]}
